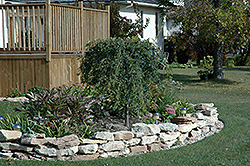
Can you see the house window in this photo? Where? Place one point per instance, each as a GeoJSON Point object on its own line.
{"type": "Point", "coordinates": [156, 23]}
{"type": "Point", "coordinates": [141, 24]}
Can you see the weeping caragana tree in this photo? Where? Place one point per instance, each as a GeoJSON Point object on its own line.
{"type": "Point", "coordinates": [123, 71]}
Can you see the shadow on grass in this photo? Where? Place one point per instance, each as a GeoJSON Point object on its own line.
{"type": "Point", "coordinates": [192, 80]}
{"type": "Point", "coordinates": [238, 68]}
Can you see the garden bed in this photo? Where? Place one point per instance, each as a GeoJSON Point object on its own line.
{"type": "Point", "coordinates": [139, 138]}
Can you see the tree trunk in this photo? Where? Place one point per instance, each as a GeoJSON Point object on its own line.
{"type": "Point", "coordinates": [218, 60]}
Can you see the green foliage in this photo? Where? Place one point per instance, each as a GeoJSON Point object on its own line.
{"type": "Point", "coordinates": [27, 125]}
{"type": "Point", "coordinates": [205, 72]}
{"type": "Point", "coordinates": [210, 26]}
{"type": "Point", "coordinates": [15, 92]}
{"type": "Point", "coordinates": [207, 62]}
{"type": "Point", "coordinates": [57, 128]}
{"type": "Point", "coordinates": [230, 63]}
{"type": "Point", "coordinates": [183, 104]}
{"type": "Point", "coordinates": [83, 89]}
{"type": "Point", "coordinates": [36, 89]}
{"type": "Point", "coordinates": [56, 103]}
{"type": "Point", "coordinates": [59, 110]}
{"type": "Point", "coordinates": [85, 130]}
{"type": "Point", "coordinates": [122, 70]}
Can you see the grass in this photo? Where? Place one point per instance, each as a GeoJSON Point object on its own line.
{"type": "Point", "coordinates": [229, 147]}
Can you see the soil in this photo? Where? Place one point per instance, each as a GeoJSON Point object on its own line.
{"type": "Point", "coordinates": [114, 123]}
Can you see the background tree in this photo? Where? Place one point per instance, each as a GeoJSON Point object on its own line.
{"type": "Point", "coordinates": [222, 24]}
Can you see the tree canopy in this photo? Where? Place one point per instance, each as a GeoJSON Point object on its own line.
{"type": "Point", "coordinates": [224, 24]}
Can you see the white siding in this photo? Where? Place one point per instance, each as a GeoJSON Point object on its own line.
{"type": "Point", "coordinates": [150, 31]}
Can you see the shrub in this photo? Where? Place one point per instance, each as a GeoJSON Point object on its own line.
{"type": "Point", "coordinates": [122, 70]}
{"type": "Point", "coordinates": [15, 92]}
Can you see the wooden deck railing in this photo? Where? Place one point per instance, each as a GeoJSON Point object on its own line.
{"type": "Point", "coordinates": [54, 28]}
{"type": "Point", "coordinates": [23, 27]}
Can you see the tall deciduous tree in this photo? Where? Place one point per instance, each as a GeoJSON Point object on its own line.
{"type": "Point", "coordinates": [222, 23]}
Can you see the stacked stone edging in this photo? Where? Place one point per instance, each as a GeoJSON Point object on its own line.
{"type": "Point", "coordinates": [141, 138]}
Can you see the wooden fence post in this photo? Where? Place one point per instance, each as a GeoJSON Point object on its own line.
{"type": "Point", "coordinates": [109, 14]}
{"type": "Point", "coordinates": [48, 30]}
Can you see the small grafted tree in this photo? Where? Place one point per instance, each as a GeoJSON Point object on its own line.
{"type": "Point", "coordinates": [123, 70]}
{"type": "Point", "coordinates": [224, 24]}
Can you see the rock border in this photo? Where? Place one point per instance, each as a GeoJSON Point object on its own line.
{"type": "Point", "coordinates": [141, 138]}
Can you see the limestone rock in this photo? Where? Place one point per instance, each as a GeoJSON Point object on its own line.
{"type": "Point", "coordinates": [10, 135]}
{"type": "Point", "coordinates": [5, 155]}
{"type": "Point", "coordinates": [133, 142]}
{"type": "Point", "coordinates": [148, 139]}
{"type": "Point", "coordinates": [168, 127]}
{"type": "Point", "coordinates": [65, 142]}
{"type": "Point", "coordinates": [182, 138]}
{"type": "Point", "coordinates": [198, 116]}
{"type": "Point", "coordinates": [209, 111]}
{"type": "Point", "coordinates": [168, 144]}
{"type": "Point", "coordinates": [195, 133]}
{"type": "Point", "coordinates": [16, 99]}
{"type": "Point", "coordinates": [184, 128]}
{"type": "Point", "coordinates": [147, 129]}
{"type": "Point", "coordinates": [115, 153]}
{"type": "Point", "coordinates": [86, 157]}
{"type": "Point", "coordinates": [15, 146]}
{"type": "Point", "coordinates": [123, 135]}
{"type": "Point", "coordinates": [88, 149]}
{"type": "Point", "coordinates": [203, 106]}
{"type": "Point", "coordinates": [44, 150]}
{"type": "Point", "coordinates": [104, 136]}
{"type": "Point", "coordinates": [35, 141]}
{"type": "Point", "coordinates": [154, 147]}
{"type": "Point", "coordinates": [50, 151]}
{"type": "Point", "coordinates": [92, 141]}
{"type": "Point", "coordinates": [138, 149]}
{"type": "Point", "coordinates": [169, 136]}
{"type": "Point", "coordinates": [112, 146]}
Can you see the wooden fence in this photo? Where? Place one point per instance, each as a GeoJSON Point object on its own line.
{"type": "Point", "coordinates": [40, 43]}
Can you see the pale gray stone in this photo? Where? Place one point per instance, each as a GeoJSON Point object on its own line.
{"type": "Point", "coordinates": [41, 149]}
{"type": "Point", "coordinates": [198, 116]}
{"type": "Point", "coordinates": [123, 135]}
{"type": "Point", "coordinates": [168, 127]}
{"type": "Point", "coordinates": [166, 137]}
{"type": "Point", "coordinates": [35, 141]}
{"type": "Point", "coordinates": [15, 146]}
{"type": "Point", "coordinates": [92, 141]}
{"type": "Point", "coordinates": [118, 153]}
{"type": "Point", "coordinates": [17, 99]}
{"type": "Point", "coordinates": [104, 136]}
{"type": "Point", "coordinates": [168, 144]}
{"type": "Point", "coordinates": [5, 155]}
{"type": "Point", "coordinates": [210, 111]}
{"type": "Point", "coordinates": [184, 128]}
{"type": "Point", "coordinates": [133, 142]}
{"type": "Point", "coordinates": [70, 151]}
{"type": "Point", "coordinates": [201, 123]}
{"type": "Point", "coordinates": [148, 139]}
{"type": "Point", "coordinates": [182, 138]}
{"type": "Point", "coordinates": [88, 149]}
{"type": "Point", "coordinates": [65, 142]}
{"type": "Point", "coordinates": [10, 135]}
{"type": "Point", "coordinates": [147, 129]}
{"type": "Point", "coordinates": [203, 106]}
{"type": "Point", "coordinates": [195, 133]}
{"type": "Point", "coordinates": [112, 146]}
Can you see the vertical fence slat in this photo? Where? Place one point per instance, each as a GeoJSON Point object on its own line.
{"type": "Point", "coordinates": [3, 27]}
{"type": "Point", "coordinates": [48, 31]}
{"type": "Point", "coordinates": [34, 28]}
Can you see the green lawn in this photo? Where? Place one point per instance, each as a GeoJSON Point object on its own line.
{"type": "Point", "coordinates": [229, 147]}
